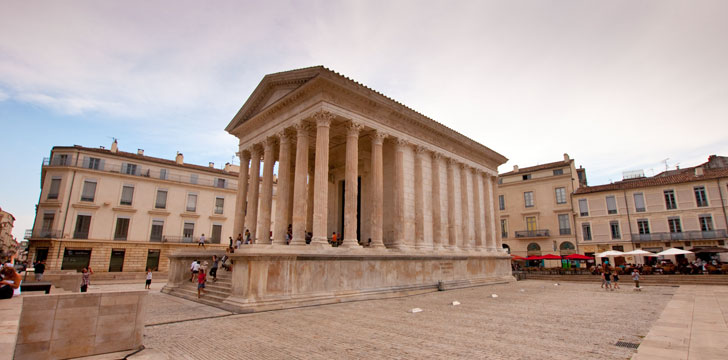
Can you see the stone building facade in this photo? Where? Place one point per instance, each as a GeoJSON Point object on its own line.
{"type": "Point", "coordinates": [535, 212]}
{"type": "Point", "coordinates": [684, 208]}
{"type": "Point", "coordinates": [8, 245]}
{"type": "Point", "coordinates": [122, 211]}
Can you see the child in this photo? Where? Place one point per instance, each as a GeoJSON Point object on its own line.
{"type": "Point", "coordinates": [636, 279]}
{"type": "Point", "coordinates": [201, 279]}
{"type": "Point", "coordinates": [615, 279]}
{"type": "Point", "coordinates": [149, 279]}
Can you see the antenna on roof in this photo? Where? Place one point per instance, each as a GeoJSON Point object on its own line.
{"type": "Point", "coordinates": [665, 161]}
{"type": "Point", "coordinates": [232, 161]}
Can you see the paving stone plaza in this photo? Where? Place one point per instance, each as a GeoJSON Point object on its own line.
{"type": "Point", "coordinates": [578, 320]}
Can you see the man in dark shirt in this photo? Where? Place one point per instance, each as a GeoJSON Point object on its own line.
{"type": "Point", "coordinates": [39, 270]}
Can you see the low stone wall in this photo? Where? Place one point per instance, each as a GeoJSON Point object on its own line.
{"type": "Point", "coordinates": [73, 325]}
{"type": "Point", "coordinates": [62, 279]}
{"type": "Point", "coordinates": [269, 278]}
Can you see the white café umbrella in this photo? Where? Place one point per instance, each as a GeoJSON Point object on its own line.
{"type": "Point", "coordinates": [610, 253]}
{"type": "Point", "coordinates": [640, 252]}
{"type": "Point", "coordinates": [673, 251]}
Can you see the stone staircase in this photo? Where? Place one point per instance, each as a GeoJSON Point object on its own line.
{"type": "Point", "coordinates": [217, 291]}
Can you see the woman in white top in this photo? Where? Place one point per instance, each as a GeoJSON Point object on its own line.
{"type": "Point", "coordinates": [10, 285]}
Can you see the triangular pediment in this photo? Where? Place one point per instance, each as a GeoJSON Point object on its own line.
{"type": "Point", "coordinates": [270, 90]}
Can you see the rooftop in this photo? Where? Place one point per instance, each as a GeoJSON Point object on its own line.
{"type": "Point", "coordinates": [682, 176]}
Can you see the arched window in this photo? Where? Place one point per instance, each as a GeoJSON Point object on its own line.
{"type": "Point", "coordinates": [534, 249]}
{"type": "Point", "coordinates": [567, 248]}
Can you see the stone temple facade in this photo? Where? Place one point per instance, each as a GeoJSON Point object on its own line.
{"type": "Point", "coordinates": [413, 199]}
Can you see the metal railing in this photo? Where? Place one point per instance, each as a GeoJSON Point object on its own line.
{"type": "Point", "coordinates": [80, 234]}
{"type": "Point", "coordinates": [686, 235]}
{"type": "Point", "coordinates": [188, 239]}
{"type": "Point", "coordinates": [42, 234]}
{"type": "Point", "coordinates": [532, 233]}
{"type": "Point", "coordinates": [147, 172]}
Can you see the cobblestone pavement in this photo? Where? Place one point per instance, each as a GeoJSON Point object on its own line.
{"type": "Point", "coordinates": [543, 321]}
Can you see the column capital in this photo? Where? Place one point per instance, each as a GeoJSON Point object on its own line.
{"type": "Point", "coordinates": [243, 154]}
{"type": "Point", "coordinates": [302, 128]}
{"type": "Point", "coordinates": [464, 166]}
{"type": "Point", "coordinates": [436, 155]}
{"type": "Point", "coordinates": [421, 150]}
{"type": "Point", "coordinates": [401, 143]}
{"type": "Point", "coordinates": [477, 171]}
{"type": "Point", "coordinates": [284, 136]}
{"type": "Point", "coordinates": [268, 143]}
{"type": "Point", "coordinates": [452, 162]}
{"type": "Point", "coordinates": [353, 129]}
{"type": "Point", "coordinates": [378, 137]}
{"type": "Point", "coordinates": [255, 149]}
{"type": "Point", "coordinates": [323, 118]}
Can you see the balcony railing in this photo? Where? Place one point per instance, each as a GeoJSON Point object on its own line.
{"type": "Point", "coordinates": [532, 233]}
{"type": "Point", "coordinates": [686, 235]}
{"type": "Point", "coordinates": [187, 239]}
{"type": "Point", "coordinates": [147, 172]}
{"type": "Point", "coordinates": [80, 235]}
{"type": "Point", "coordinates": [43, 234]}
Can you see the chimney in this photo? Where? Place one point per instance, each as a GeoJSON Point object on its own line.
{"type": "Point", "coordinates": [515, 168]}
{"type": "Point", "coordinates": [114, 146]}
{"type": "Point", "coordinates": [180, 159]}
{"type": "Point", "coordinates": [566, 157]}
{"type": "Point", "coordinates": [211, 164]}
{"type": "Point", "coordinates": [698, 171]}
{"type": "Point", "coordinates": [140, 151]}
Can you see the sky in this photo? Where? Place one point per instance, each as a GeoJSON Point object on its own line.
{"type": "Point", "coordinates": [618, 85]}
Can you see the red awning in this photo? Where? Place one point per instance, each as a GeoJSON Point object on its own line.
{"type": "Point", "coordinates": [578, 257]}
{"type": "Point", "coordinates": [534, 257]}
{"type": "Point", "coordinates": [551, 257]}
{"type": "Point", "coordinates": [516, 257]}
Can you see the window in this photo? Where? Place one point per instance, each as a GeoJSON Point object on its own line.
{"type": "Point", "coordinates": [61, 160]}
{"type": "Point", "coordinates": [561, 195]}
{"type": "Point", "coordinates": [193, 178]}
{"type": "Point", "coordinates": [528, 198]}
{"type": "Point", "coordinates": [93, 163]}
{"type": "Point", "coordinates": [614, 227]}
{"type": "Point", "coordinates": [700, 197]}
{"type": "Point", "coordinates": [122, 228]}
{"type": "Point", "coordinates": [564, 225]}
{"type": "Point", "coordinates": [161, 202]}
{"type": "Point", "coordinates": [220, 183]}
{"type": "Point", "coordinates": [611, 205]}
{"type": "Point", "coordinates": [83, 223]}
{"type": "Point", "coordinates": [504, 228]}
{"type": "Point", "coordinates": [130, 169]}
{"type": "Point", "coordinates": [47, 226]}
{"type": "Point", "coordinates": [157, 230]}
{"type": "Point", "coordinates": [531, 223]}
{"type": "Point", "coordinates": [674, 224]}
{"type": "Point", "coordinates": [586, 232]}
{"type": "Point", "coordinates": [643, 226]}
{"type": "Point", "coordinates": [583, 208]}
{"type": "Point", "coordinates": [127, 194]}
{"type": "Point", "coordinates": [639, 202]}
{"type": "Point", "coordinates": [191, 202]}
{"type": "Point", "coordinates": [501, 202]}
{"type": "Point", "coordinates": [500, 181]}
{"type": "Point", "coordinates": [706, 223]}
{"type": "Point", "coordinates": [558, 172]}
{"type": "Point", "coordinates": [670, 202]}
{"type": "Point", "coordinates": [527, 177]}
{"type": "Point", "coordinates": [55, 187]}
{"type": "Point", "coordinates": [216, 234]}
{"type": "Point", "coordinates": [188, 231]}
{"type": "Point", "coordinates": [219, 205]}
{"type": "Point", "coordinates": [89, 190]}
{"type": "Point", "coordinates": [163, 174]}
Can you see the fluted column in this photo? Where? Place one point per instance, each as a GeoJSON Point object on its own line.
{"type": "Point", "coordinates": [321, 186]}
{"type": "Point", "coordinates": [352, 182]}
{"type": "Point", "coordinates": [420, 153]}
{"type": "Point", "coordinates": [251, 218]}
{"type": "Point", "coordinates": [240, 199]}
{"type": "Point", "coordinates": [493, 236]}
{"type": "Point", "coordinates": [496, 237]}
{"type": "Point", "coordinates": [437, 233]}
{"type": "Point", "coordinates": [377, 218]}
{"type": "Point", "coordinates": [284, 180]}
{"type": "Point", "coordinates": [266, 196]}
{"type": "Point", "coordinates": [299, 185]}
{"type": "Point", "coordinates": [477, 184]}
{"type": "Point", "coordinates": [291, 185]}
{"type": "Point", "coordinates": [466, 213]}
{"type": "Point", "coordinates": [399, 219]}
{"type": "Point", "coordinates": [451, 214]}
{"type": "Point", "coordinates": [309, 199]}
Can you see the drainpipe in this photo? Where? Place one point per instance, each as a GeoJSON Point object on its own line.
{"type": "Point", "coordinates": [629, 221]}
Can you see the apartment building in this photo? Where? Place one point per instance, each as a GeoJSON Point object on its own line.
{"type": "Point", "coordinates": [535, 210]}
{"type": "Point", "coordinates": [122, 211]}
{"type": "Point", "coordinates": [8, 245]}
{"type": "Point", "coordinates": [683, 208]}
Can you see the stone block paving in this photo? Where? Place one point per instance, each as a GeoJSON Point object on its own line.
{"type": "Point", "coordinates": [572, 320]}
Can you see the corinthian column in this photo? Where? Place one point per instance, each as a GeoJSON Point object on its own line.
{"type": "Point", "coordinates": [351, 181]}
{"type": "Point", "coordinates": [496, 238]}
{"type": "Point", "coordinates": [242, 195]}
{"type": "Point", "coordinates": [267, 189]}
{"type": "Point", "coordinates": [467, 215]}
{"type": "Point", "coordinates": [437, 233]}
{"type": "Point", "coordinates": [299, 185]}
{"type": "Point", "coordinates": [492, 243]}
{"type": "Point", "coordinates": [377, 189]}
{"type": "Point", "coordinates": [399, 219]}
{"type": "Point", "coordinates": [420, 153]}
{"type": "Point", "coordinates": [321, 186]}
{"type": "Point", "coordinates": [251, 218]}
{"type": "Point", "coordinates": [477, 184]}
{"type": "Point", "coordinates": [284, 180]}
{"type": "Point", "coordinates": [451, 215]}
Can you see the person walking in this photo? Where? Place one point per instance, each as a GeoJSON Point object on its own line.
{"type": "Point", "coordinates": [86, 278]}
{"type": "Point", "coordinates": [39, 270]}
{"type": "Point", "coordinates": [148, 284]}
{"type": "Point", "coordinates": [201, 280]}
{"type": "Point", "coordinates": [607, 280]}
{"type": "Point", "coordinates": [194, 268]}
{"type": "Point", "coordinates": [615, 279]}
{"type": "Point", "coordinates": [636, 279]}
{"type": "Point", "coordinates": [247, 237]}
{"type": "Point", "coordinates": [213, 269]}
{"type": "Point", "coordinates": [601, 274]}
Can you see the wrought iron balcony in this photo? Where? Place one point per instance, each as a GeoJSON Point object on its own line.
{"type": "Point", "coordinates": [43, 234]}
{"type": "Point", "coordinates": [686, 235]}
{"type": "Point", "coordinates": [541, 233]}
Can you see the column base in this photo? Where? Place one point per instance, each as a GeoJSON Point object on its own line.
{"type": "Point", "coordinates": [351, 244]}
{"type": "Point", "coordinates": [319, 241]}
